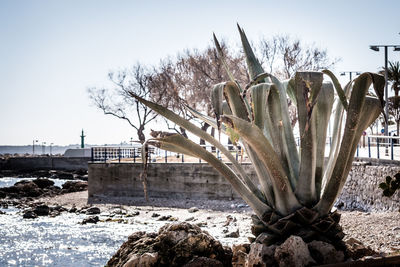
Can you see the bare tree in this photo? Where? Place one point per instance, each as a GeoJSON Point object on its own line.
{"type": "Point", "coordinates": [283, 56]}
{"type": "Point", "coordinates": [117, 102]}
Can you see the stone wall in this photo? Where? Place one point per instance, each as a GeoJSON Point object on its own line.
{"type": "Point", "coordinates": [44, 163]}
{"type": "Point", "coordinates": [361, 190]}
{"type": "Point", "coordinates": [196, 180]}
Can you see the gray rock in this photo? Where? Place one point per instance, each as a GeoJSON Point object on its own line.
{"type": "Point", "coordinates": [233, 234]}
{"type": "Point", "coordinates": [325, 253]}
{"type": "Point", "coordinates": [293, 252]}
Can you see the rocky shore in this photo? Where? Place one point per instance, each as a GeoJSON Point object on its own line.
{"type": "Point", "coordinates": [220, 224]}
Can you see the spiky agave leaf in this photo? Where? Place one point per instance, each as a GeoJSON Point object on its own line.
{"type": "Point", "coordinates": [285, 200]}
{"type": "Point", "coordinates": [203, 135]}
{"type": "Point", "coordinates": [362, 111]}
{"type": "Point", "coordinates": [179, 143]}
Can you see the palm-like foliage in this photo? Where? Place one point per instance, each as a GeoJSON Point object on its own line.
{"type": "Point", "coordinates": [293, 187]}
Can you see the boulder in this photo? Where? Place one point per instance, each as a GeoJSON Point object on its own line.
{"type": "Point", "coordinates": [70, 187]}
{"type": "Point", "coordinates": [91, 219]}
{"type": "Point", "coordinates": [355, 249]}
{"type": "Point", "coordinates": [203, 261]}
{"type": "Point", "coordinates": [43, 182]}
{"type": "Point", "coordinates": [193, 209]}
{"type": "Point", "coordinates": [174, 245]}
{"type": "Point", "coordinates": [42, 210]}
{"type": "Point", "coordinates": [239, 255]}
{"type": "Point", "coordinates": [29, 215]}
{"type": "Point", "coordinates": [27, 189]}
{"type": "Point", "coordinates": [325, 253]}
{"type": "Point", "coordinates": [93, 210]}
{"type": "Point", "coordinates": [293, 252]}
{"type": "Point", "coordinates": [261, 255]}
{"type": "Point", "coordinates": [145, 260]}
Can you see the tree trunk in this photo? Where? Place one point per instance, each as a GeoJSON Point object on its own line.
{"type": "Point", "coordinates": [183, 132]}
{"type": "Point", "coordinates": [204, 127]}
{"type": "Point", "coordinates": [141, 135]}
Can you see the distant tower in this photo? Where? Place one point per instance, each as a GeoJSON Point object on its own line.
{"type": "Point", "coordinates": [82, 140]}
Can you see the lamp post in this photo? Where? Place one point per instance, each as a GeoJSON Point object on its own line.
{"type": "Point", "coordinates": [343, 73]}
{"type": "Point", "coordinates": [33, 146]}
{"type": "Point", "coordinates": [395, 48]}
{"type": "Point", "coordinates": [43, 147]}
{"type": "Point", "coordinates": [51, 145]}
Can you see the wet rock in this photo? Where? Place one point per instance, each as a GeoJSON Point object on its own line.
{"type": "Point", "coordinates": [73, 209]}
{"type": "Point", "coordinates": [293, 252]}
{"type": "Point", "coordinates": [233, 234]}
{"type": "Point", "coordinates": [24, 188]}
{"type": "Point", "coordinates": [164, 218]}
{"type": "Point", "coordinates": [203, 261]}
{"type": "Point", "coordinates": [2, 194]}
{"type": "Point", "coordinates": [42, 210]}
{"type": "Point", "coordinates": [175, 244]}
{"type": "Point", "coordinates": [356, 250]}
{"type": "Point", "coordinates": [132, 214]}
{"type": "Point", "coordinates": [29, 215]}
{"type": "Point", "coordinates": [70, 187]}
{"type": "Point", "coordinates": [325, 253]}
{"type": "Point", "coordinates": [43, 182]}
{"type": "Point", "coordinates": [2, 212]}
{"type": "Point", "coordinates": [155, 215]}
{"type": "Point", "coordinates": [193, 209]}
{"type": "Point", "coordinates": [189, 219]}
{"type": "Point", "coordinates": [91, 219]}
{"type": "Point", "coordinates": [261, 255]}
{"type": "Point", "coordinates": [93, 210]}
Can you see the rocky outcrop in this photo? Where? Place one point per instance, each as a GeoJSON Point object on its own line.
{"type": "Point", "coordinates": [40, 187]}
{"type": "Point", "coordinates": [179, 244]}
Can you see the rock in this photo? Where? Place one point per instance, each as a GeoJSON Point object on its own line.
{"type": "Point", "coordinates": [24, 188]}
{"type": "Point", "coordinates": [293, 252]}
{"type": "Point", "coordinates": [233, 234]}
{"type": "Point", "coordinates": [72, 209]}
{"type": "Point", "coordinates": [2, 212]}
{"type": "Point", "coordinates": [239, 255]}
{"type": "Point", "coordinates": [175, 244]}
{"type": "Point", "coordinates": [261, 255]}
{"type": "Point", "coordinates": [145, 260]}
{"type": "Point", "coordinates": [43, 182]}
{"type": "Point", "coordinates": [2, 194]}
{"type": "Point", "coordinates": [325, 253]}
{"type": "Point", "coordinates": [189, 219]}
{"type": "Point", "coordinates": [93, 210]}
{"type": "Point", "coordinates": [70, 187]}
{"type": "Point", "coordinates": [164, 218]}
{"type": "Point", "coordinates": [132, 214]}
{"type": "Point", "coordinates": [64, 175]}
{"type": "Point", "coordinates": [193, 209]}
{"type": "Point", "coordinates": [42, 210]}
{"type": "Point", "coordinates": [29, 215]}
{"type": "Point", "coordinates": [203, 261]}
{"type": "Point", "coordinates": [91, 219]}
{"type": "Point", "coordinates": [356, 250]}
{"type": "Point", "coordinates": [154, 215]}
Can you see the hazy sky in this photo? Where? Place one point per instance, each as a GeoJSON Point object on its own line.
{"type": "Point", "coordinates": [52, 51]}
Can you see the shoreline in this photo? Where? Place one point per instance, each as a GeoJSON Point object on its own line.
{"type": "Point", "coordinates": [379, 230]}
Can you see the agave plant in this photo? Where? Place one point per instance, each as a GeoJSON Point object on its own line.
{"type": "Point", "coordinates": [295, 189]}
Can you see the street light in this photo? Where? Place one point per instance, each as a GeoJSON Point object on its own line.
{"type": "Point", "coordinates": [51, 144]}
{"type": "Point", "coordinates": [43, 147]}
{"type": "Point", "coordinates": [343, 73]}
{"type": "Point", "coordinates": [395, 48]}
{"type": "Point", "coordinates": [33, 146]}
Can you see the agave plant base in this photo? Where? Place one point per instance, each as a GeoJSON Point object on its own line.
{"type": "Point", "coordinates": [304, 223]}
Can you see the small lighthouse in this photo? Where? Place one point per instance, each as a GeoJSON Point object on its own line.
{"type": "Point", "coordinates": [82, 140]}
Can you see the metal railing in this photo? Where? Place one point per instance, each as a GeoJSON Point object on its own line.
{"type": "Point", "coordinates": [373, 146]}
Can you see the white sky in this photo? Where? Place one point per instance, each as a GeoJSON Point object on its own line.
{"type": "Point", "coordinates": [51, 51]}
